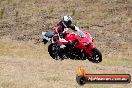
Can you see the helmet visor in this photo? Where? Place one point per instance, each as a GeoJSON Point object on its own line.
{"type": "Point", "coordinates": [68, 23]}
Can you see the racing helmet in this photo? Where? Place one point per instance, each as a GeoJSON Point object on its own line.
{"type": "Point", "coordinates": [67, 21]}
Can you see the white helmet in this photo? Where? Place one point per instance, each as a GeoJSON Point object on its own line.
{"type": "Point", "coordinates": [67, 20]}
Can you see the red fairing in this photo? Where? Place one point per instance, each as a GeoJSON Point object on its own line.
{"type": "Point", "coordinates": [88, 50]}
{"type": "Point", "coordinates": [85, 42]}
{"type": "Point", "coordinates": [71, 37]}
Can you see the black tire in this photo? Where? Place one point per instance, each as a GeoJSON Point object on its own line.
{"type": "Point", "coordinates": [81, 80]}
{"type": "Point", "coordinates": [51, 50]}
{"type": "Point", "coordinates": [71, 56]}
{"type": "Point", "coordinates": [55, 52]}
{"type": "Point", "coordinates": [97, 56]}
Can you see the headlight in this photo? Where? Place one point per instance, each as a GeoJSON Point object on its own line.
{"type": "Point", "coordinates": [85, 43]}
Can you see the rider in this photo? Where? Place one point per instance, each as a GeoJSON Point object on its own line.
{"type": "Point", "coordinates": [65, 22]}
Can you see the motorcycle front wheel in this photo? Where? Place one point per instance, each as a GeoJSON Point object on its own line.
{"type": "Point", "coordinates": [97, 56]}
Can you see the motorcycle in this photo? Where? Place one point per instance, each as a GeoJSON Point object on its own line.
{"type": "Point", "coordinates": [79, 46]}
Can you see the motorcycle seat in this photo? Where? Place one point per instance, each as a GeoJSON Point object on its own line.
{"type": "Point", "coordinates": [49, 34]}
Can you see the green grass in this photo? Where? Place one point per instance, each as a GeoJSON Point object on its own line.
{"type": "Point", "coordinates": [118, 61]}
{"type": "Point", "coordinates": [2, 13]}
{"type": "Point", "coordinates": [17, 13]}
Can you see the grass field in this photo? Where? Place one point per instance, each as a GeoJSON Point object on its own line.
{"type": "Point", "coordinates": [24, 60]}
{"type": "Point", "coordinates": [30, 66]}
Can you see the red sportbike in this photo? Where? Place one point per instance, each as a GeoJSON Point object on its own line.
{"type": "Point", "coordinates": [79, 46]}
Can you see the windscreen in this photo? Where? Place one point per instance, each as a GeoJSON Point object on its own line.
{"type": "Point", "coordinates": [80, 34]}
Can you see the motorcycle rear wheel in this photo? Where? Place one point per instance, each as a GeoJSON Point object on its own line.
{"type": "Point", "coordinates": [56, 53]}
{"type": "Point", "coordinates": [52, 50]}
